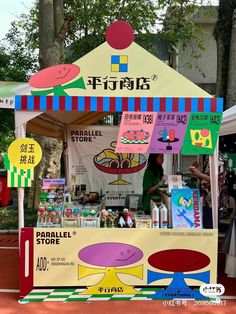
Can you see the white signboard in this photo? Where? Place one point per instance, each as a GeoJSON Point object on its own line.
{"type": "Point", "coordinates": [94, 166]}
{"type": "Point", "coordinates": [7, 103]}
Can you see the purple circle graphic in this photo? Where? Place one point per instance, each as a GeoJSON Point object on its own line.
{"type": "Point", "coordinates": [110, 254]}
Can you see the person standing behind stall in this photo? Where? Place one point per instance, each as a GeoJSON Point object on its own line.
{"type": "Point", "coordinates": [223, 197]}
{"type": "Point", "coordinates": [153, 179]}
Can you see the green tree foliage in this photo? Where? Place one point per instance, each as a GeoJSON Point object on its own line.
{"type": "Point", "coordinates": [87, 21]}
{"type": "Point", "coordinates": [93, 18]}
{"type": "Point", "coordinates": [18, 59]}
{"type": "Point", "coordinates": [178, 25]}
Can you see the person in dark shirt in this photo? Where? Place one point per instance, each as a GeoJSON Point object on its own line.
{"type": "Point", "coordinates": [153, 179]}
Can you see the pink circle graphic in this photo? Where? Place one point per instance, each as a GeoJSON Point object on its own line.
{"type": "Point", "coordinates": [120, 35]}
{"type": "Point", "coordinates": [204, 132]}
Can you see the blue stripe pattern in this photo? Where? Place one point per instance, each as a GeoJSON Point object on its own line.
{"type": "Point", "coordinates": [55, 103]}
{"type": "Point", "coordinates": [194, 105]}
{"type": "Point", "coordinates": [68, 104]}
{"type": "Point", "coordinates": [93, 103]}
{"type": "Point", "coordinates": [207, 105]}
{"type": "Point", "coordinates": [81, 103]}
{"type": "Point", "coordinates": [220, 104]}
{"type": "Point", "coordinates": [143, 104]}
{"type": "Point", "coordinates": [118, 103]}
{"type": "Point", "coordinates": [43, 103]}
{"type": "Point", "coordinates": [17, 102]}
{"type": "Point", "coordinates": [181, 104]}
{"type": "Point", "coordinates": [169, 104]}
{"type": "Point", "coordinates": [30, 103]}
{"type": "Point", "coordinates": [106, 104]}
{"type": "Point", "coordinates": [156, 104]}
{"type": "Point", "coordinates": [131, 103]}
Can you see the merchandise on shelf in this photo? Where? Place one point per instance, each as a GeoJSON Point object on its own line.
{"type": "Point", "coordinates": [51, 203]}
{"type": "Point", "coordinates": [143, 221]}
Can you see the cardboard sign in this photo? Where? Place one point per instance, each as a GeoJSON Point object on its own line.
{"type": "Point", "coordinates": [202, 133]}
{"type": "Point", "coordinates": [135, 132]}
{"type": "Point", "coordinates": [169, 132]}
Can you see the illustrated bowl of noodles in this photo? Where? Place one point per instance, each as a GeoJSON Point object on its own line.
{"type": "Point", "coordinates": [118, 163]}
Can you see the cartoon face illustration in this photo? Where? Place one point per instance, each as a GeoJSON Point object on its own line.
{"type": "Point", "coordinates": [110, 254]}
{"type": "Point", "coordinates": [201, 138]}
{"type": "Point", "coordinates": [54, 75]}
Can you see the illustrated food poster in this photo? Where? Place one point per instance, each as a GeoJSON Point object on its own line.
{"type": "Point", "coordinates": [152, 132]}
{"type": "Point", "coordinates": [169, 132]}
{"type": "Point", "coordinates": [202, 133]}
{"type": "Point", "coordinates": [96, 167]}
{"type": "Point", "coordinates": [135, 132]}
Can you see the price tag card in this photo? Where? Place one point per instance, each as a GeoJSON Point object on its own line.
{"type": "Point", "coordinates": [202, 133]}
{"type": "Point", "coordinates": [135, 132]}
{"type": "Point", "coordinates": [169, 132]}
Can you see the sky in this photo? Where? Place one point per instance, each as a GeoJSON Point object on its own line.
{"type": "Point", "coordinates": [11, 9]}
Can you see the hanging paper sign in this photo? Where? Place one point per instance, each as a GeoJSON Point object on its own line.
{"type": "Point", "coordinates": [202, 133]}
{"type": "Point", "coordinates": [24, 153]}
{"type": "Point", "coordinates": [168, 133]}
{"type": "Point", "coordinates": [135, 132]}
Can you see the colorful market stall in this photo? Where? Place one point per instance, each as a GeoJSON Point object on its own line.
{"type": "Point", "coordinates": [118, 76]}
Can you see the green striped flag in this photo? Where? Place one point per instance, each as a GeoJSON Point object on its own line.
{"type": "Point", "coordinates": [16, 177]}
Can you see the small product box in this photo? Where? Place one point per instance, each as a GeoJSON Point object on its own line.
{"type": "Point", "coordinates": [89, 222]}
{"type": "Point", "coordinates": [143, 221]}
{"type": "Point", "coordinates": [90, 216]}
{"type": "Point", "coordinates": [71, 216]}
{"type": "Point", "coordinates": [70, 222]}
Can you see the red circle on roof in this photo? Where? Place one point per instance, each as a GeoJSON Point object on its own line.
{"type": "Point", "coordinates": [179, 260]}
{"type": "Point", "coordinates": [120, 35]}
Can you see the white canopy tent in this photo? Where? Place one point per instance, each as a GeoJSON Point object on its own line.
{"type": "Point", "coordinates": [228, 125]}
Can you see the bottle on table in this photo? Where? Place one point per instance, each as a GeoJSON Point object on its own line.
{"type": "Point", "coordinates": [154, 214]}
{"type": "Point", "coordinates": [163, 216]}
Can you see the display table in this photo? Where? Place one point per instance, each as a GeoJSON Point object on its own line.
{"type": "Point", "coordinates": [112, 263]}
